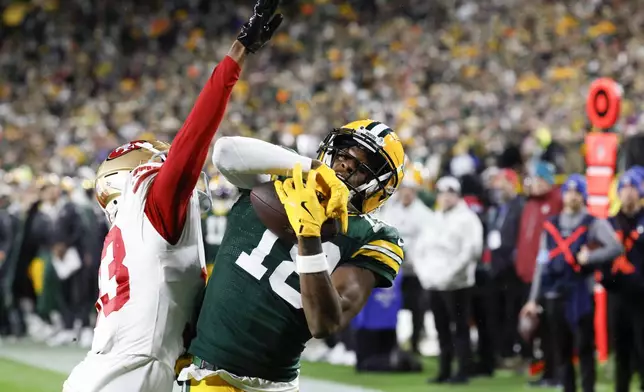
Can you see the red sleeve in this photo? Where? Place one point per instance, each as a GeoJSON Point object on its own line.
{"type": "Point", "coordinates": [169, 195]}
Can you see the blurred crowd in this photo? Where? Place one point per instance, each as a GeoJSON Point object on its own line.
{"type": "Point", "coordinates": [522, 280]}
{"type": "Point", "coordinates": [490, 93]}
{"type": "Point", "coordinates": [82, 77]}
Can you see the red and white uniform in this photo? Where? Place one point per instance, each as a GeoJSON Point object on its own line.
{"type": "Point", "coordinates": [153, 263]}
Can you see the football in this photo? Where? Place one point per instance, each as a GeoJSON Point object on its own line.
{"type": "Point", "coordinates": [270, 211]}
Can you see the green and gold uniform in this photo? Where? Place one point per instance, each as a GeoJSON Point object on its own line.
{"type": "Point", "coordinates": [251, 321]}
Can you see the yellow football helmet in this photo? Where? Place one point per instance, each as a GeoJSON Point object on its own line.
{"type": "Point", "coordinates": [385, 166]}
{"type": "Point", "coordinates": [113, 172]}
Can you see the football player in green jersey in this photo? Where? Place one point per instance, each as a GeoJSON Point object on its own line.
{"type": "Point", "coordinates": [268, 297]}
{"type": "Point", "coordinates": [214, 221]}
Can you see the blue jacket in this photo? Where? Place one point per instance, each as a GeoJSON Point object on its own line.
{"type": "Point", "coordinates": [562, 274]}
{"type": "Point", "coordinates": [381, 309]}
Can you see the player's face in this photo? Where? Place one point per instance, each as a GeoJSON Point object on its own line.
{"type": "Point", "coordinates": [347, 164]}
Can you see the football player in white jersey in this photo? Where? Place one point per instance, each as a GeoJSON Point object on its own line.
{"type": "Point", "coordinates": [153, 266]}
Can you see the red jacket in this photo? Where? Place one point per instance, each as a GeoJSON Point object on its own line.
{"type": "Point", "coordinates": [535, 212]}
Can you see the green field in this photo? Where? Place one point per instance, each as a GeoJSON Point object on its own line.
{"type": "Point", "coordinates": [503, 381]}
{"type": "Point", "coordinates": [16, 377]}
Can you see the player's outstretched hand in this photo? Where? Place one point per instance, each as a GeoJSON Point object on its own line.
{"type": "Point", "coordinates": [337, 195]}
{"type": "Point", "coordinates": [304, 211]}
{"type": "Point", "coordinates": [260, 27]}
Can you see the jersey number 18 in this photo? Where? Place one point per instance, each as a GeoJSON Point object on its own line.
{"type": "Point", "coordinates": [253, 264]}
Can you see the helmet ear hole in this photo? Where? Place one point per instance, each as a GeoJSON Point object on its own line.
{"type": "Point", "coordinates": [111, 209]}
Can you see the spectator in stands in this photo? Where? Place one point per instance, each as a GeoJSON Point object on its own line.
{"type": "Point", "coordinates": [32, 236]}
{"type": "Point", "coordinates": [95, 227]}
{"type": "Point", "coordinates": [544, 200]}
{"type": "Point", "coordinates": [446, 254]}
{"type": "Point", "coordinates": [507, 297]}
{"type": "Point", "coordinates": [624, 281]}
{"type": "Point", "coordinates": [406, 212]}
{"type": "Point", "coordinates": [563, 282]}
{"type": "Point", "coordinates": [474, 195]}
{"type": "Point", "coordinates": [68, 253]}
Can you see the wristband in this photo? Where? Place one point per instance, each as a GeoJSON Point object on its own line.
{"type": "Point", "coordinates": [311, 264]}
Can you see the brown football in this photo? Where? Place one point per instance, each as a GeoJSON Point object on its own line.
{"type": "Point", "coordinates": [270, 211]}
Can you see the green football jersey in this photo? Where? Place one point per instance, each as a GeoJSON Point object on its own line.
{"type": "Point", "coordinates": [251, 321]}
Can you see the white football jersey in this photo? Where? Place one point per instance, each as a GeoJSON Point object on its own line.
{"type": "Point", "coordinates": [148, 287]}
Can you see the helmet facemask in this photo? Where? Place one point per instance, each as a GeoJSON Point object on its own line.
{"type": "Point", "coordinates": [377, 169]}
{"type": "Point", "coordinates": [203, 191]}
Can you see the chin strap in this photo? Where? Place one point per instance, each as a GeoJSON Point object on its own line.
{"type": "Point", "coordinates": [111, 209]}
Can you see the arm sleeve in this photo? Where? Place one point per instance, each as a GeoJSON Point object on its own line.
{"type": "Point", "coordinates": [381, 254]}
{"type": "Point", "coordinates": [168, 197]}
{"type": "Point", "coordinates": [243, 160]}
{"type": "Point", "coordinates": [542, 259]}
{"type": "Point", "coordinates": [601, 231]}
{"type": "Point", "coordinates": [384, 275]}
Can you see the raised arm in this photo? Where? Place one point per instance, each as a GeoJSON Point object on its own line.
{"type": "Point", "coordinates": [170, 193]}
{"type": "Point", "coordinates": [168, 197]}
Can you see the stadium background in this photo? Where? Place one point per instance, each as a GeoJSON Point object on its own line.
{"type": "Point", "coordinates": [498, 81]}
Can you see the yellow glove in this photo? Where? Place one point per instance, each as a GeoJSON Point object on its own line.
{"type": "Point", "coordinates": [337, 195]}
{"type": "Point", "coordinates": [303, 209]}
